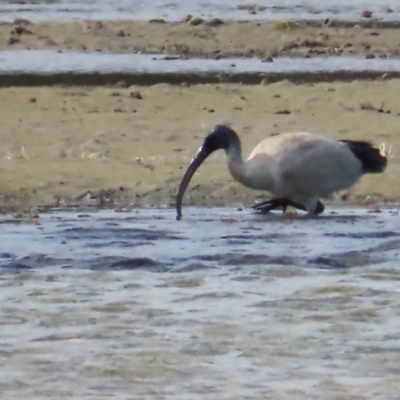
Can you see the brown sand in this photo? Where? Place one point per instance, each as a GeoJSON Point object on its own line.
{"type": "Point", "coordinates": [59, 143]}
{"type": "Point", "coordinates": [226, 40]}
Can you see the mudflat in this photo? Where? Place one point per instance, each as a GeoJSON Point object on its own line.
{"type": "Point", "coordinates": [210, 38]}
{"type": "Point", "coordinates": [119, 146]}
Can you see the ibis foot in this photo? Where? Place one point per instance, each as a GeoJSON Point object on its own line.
{"type": "Point", "coordinates": [266, 206]}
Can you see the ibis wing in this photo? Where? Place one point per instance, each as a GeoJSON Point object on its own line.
{"type": "Point", "coordinates": [319, 168]}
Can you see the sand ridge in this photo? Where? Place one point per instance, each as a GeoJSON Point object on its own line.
{"type": "Point", "coordinates": [208, 39]}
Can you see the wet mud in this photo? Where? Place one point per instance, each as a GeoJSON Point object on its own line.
{"type": "Point", "coordinates": [223, 303]}
{"type": "Point", "coordinates": [213, 38]}
{"type": "Point", "coordinates": [182, 78]}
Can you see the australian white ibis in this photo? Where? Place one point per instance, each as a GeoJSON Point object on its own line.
{"type": "Point", "coordinates": [296, 168]}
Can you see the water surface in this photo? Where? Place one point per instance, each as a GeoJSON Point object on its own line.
{"type": "Point", "coordinates": [53, 62]}
{"type": "Point", "coordinates": [220, 236]}
{"type": "Point", "coordinates": [223, 304]}
{"type": "Point", "coordinates": [67, 10]}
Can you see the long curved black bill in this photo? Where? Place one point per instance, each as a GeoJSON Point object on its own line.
{"type": "Point", "coordinates": [193, 166]}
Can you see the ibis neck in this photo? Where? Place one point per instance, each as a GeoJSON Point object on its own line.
{"type": "Point", "coordinates": [237, 167]}
{"type": "Point", "coordinates": [255, 173]}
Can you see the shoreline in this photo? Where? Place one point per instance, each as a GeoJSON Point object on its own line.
{"type": "Point", "coordinates": [30, 208]}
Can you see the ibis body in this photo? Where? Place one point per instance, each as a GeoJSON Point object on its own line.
{"type": "Point", "coordinates": [298, 167]}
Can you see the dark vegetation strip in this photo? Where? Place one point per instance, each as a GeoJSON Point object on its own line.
{"type": "Point", "coordinates": [178, 78]}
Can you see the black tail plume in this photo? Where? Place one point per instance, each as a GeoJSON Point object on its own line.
{"type": "Point", "coordinates": [371, 159]}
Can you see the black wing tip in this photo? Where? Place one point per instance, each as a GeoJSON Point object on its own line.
{"type": "Point", "coordinates": [369, 155]}
{"type": "Point", "coordinates": [364, 143]}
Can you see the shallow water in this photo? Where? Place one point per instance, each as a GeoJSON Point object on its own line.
{"type": "Point", "coordinates": [104, 239]}
{"type": "Point", "coordinates": [51, 62]}
{"type": "Point", "coordinates": [67, 10]}
{"type": "Point", "coordinates": [224, 304]}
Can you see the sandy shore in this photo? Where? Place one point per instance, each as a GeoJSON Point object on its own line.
{"type": "Point", "coordinates": [208, 39]}
{"type": "Point", "coordinates": [119, 146]}
{"type": "Point", "coordinates": [130, 146]}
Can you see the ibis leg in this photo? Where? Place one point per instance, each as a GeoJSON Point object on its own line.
{"type": "Point", "coordinates": [273, 204]}
{"type": "Point", "coordinates": [266, 206]}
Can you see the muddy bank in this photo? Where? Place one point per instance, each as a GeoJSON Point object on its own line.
{"type": "Point", "coordinates": [213, 38]}
{"type": "Point", "coordinates": [128, 147]}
